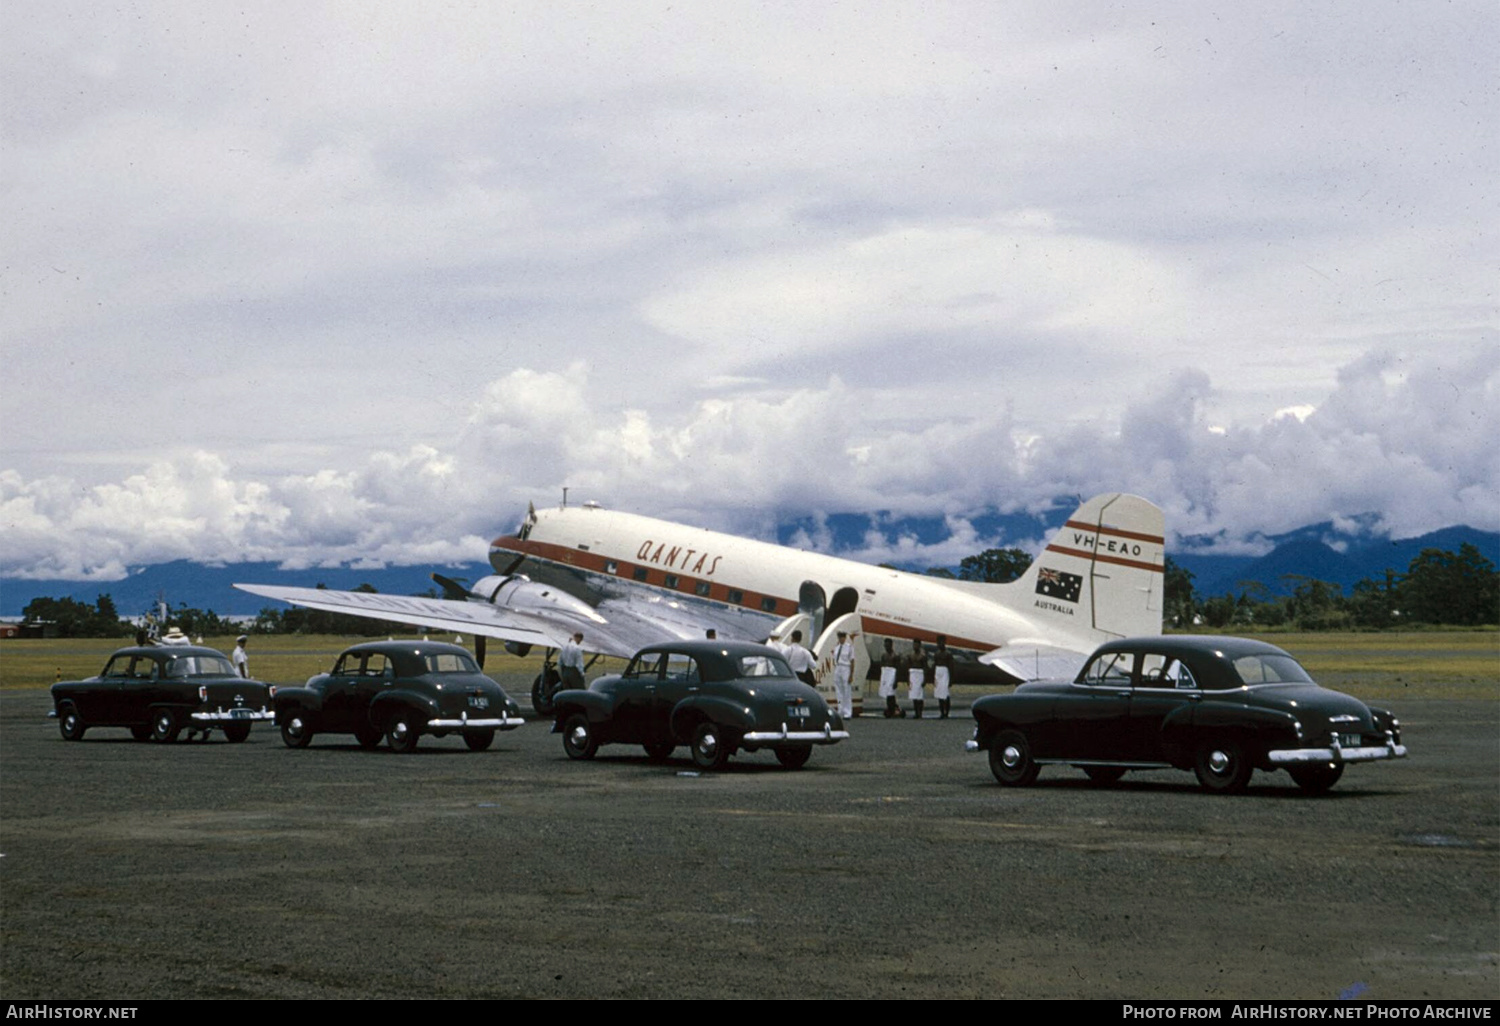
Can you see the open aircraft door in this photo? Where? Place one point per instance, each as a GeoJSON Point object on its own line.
{"type": "Point", "coordinates": [796, 622]}
{"type": "Point", "coordinates": [852, 623]}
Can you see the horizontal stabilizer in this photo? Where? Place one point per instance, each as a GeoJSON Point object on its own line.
{"type": "Point", "coordinates": [1036, 662]}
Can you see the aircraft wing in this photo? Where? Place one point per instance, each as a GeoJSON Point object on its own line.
{"type": "Point", "coordinates": [1034, 661]}
{"type": "Point", "coordinates": [616, 627]}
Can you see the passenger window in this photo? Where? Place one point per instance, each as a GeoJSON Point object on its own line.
{"type": "Point", "coordinates": [701, 588]}
{"type": "Point", "coordinates": [645, 667]}
{"type": "Point", "coordinates": [377, 666]}
{"type": "Point", "coordinates": [682, 669]}
{"type": "Point", "coordinates": [768, 604]}
{"type": "Point", "coordinates": [1112, 669]}
{"type": "Point", "coordinates": [1180, 676]}
{"type": "Point", "coordinates": [348, 665]}
{"type": "Point", "coordinates": [671, 581]}
{"type": "Point", "coordinates": [639, 573]}
{"type": "Point", "coordinates": [1153, 670]}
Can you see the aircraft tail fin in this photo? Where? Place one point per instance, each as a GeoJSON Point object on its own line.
{"type": "Point", "coordinates": [1100, 575]}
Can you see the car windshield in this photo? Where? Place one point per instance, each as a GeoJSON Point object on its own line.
{"type": "Point", "coordinates": [1270, 669]}
{"type": "Point", "coordinates": [199, 666]}
{"type": "Point", "coordinates": [763, 666]}
{"type": "Point", "coordinates": [449, 662]}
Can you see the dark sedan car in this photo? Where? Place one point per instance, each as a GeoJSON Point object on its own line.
{"type": "Point", "coordinates": [716, 697]}
{"type": "Point", "coordinates": [1222, 707]}
{"type": "Point", "coordinates": [158, 690]}
{"type": "Point", "coordinates": [398, 690]}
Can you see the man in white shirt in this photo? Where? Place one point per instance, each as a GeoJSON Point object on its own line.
{"type": "Point", "coordinates": [843, 675]}
{"type": "Point", "coordinates": [800, 660]}
{"type": "Point", "coordinates": [570, 662]}
{"type": "Point", "coordinates": [240, 656]}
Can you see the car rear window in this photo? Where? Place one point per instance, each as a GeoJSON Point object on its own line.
{"type": "Point", "coordinates": [763, 666]}
{"type": "Point", "coordinates": [1270, 669]}
{"type": "Point", "coordinates": [449, 662]}
{"type": "Point", "coordinates": [199, 666]}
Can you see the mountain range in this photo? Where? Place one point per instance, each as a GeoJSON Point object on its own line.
{"type": "Point", "coordinates": [1341, 555]}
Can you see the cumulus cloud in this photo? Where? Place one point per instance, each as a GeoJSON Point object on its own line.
{"type": "Point", "coordinates": [1412, 444]}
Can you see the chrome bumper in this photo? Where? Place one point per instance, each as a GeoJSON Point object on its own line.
{"type": "Point", "coordinates": [1294, 756]}
{"type": "Point", "coordinates": [233, 716]}
{"type": "Point", "coordinates": [464, 723]}
{"type": "Point", "coordinates": [826, 736]}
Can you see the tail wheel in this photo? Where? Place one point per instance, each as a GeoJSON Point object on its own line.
{"type": "Point", "coordinates": [70, 724]}
{"type": "Point", "coordinates": [1316, 778]}
{"type": "Point", "coordinates": [711, 748]}
{"type": "Point", "coordinates": [295, 730]}
{"type": "Point", "coordinates": [164, 726]}
{"type": "Point", "coordinates": [1222, 766]}
{"type": "Point", "coordinates": [403, 732]}
{"type": "Point", "coordinates": [578, 737]}
{"type": "Point", "coordinates": [1010, 760]}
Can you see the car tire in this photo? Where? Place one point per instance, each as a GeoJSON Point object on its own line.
{"type": "Point", "coordinates": [141, 733]}
{"type": "Point", "coordinates": [402, 733]}
{"type": "Point", "coordinates": [164, 726]}
{"type": "Point", "coordinates": [660, 752]}
{"type": "Point", "coordinates": [1104, 775]}
{"type": "Point", "coordinates": [1010, 759]}
{"type": "Point", "coordinates": [711, 749]}
{"type": "Point", "coordinates": [235, 733]}
{"type": "Point", "coordinates": [368, 737]}
{"type": "Point", "coordinates": [544, 692]}
{"type": "Point", "coordinates": [794, 757]}
{"type": "Point", "coordinates": [295, 730]}
{"type": "Point", "coordinates": [479, 740]}
{"type": "Point", "coordinates": [1222, 766]}
{"type": "Point", "coordinates": [1317, 778]}
{"type": "Point", "coordinates": [70, 724]}
{"type": "Point", "coordinates": [578, 737]}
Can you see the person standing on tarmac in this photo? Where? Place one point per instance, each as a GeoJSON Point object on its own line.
{"type": "Point", "coordinates": [890, 666]}
{"type": "Point", "coordinates": [570, 662]}
{"type": "Point", "coordinates": [800, 660]}
{"type": "Point", "coordinates": [240, 657]}
{"type": "Point", "coordinates": [843, 675]}
{"type": "Point", "coordinates": [916, 677]}
{"type": "Point", "coordinates": [942, 676]}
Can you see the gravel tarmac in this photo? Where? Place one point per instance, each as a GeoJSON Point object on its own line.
{"type": "Point", "coordinates": [892, 866]}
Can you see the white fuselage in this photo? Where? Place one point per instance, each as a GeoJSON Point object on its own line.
{"type": "Point", "coordinates": [750, 586]}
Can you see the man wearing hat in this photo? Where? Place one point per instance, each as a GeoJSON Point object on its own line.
{"type": "Point", "coordinates": [174, 636]}
{"type": "Point", "coordinates": [240, 656]}
{"type": "Point", "coordinates": [843, 675]}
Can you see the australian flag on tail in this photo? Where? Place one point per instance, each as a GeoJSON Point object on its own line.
{"type": "Point", "coordinates": [1058, 584]}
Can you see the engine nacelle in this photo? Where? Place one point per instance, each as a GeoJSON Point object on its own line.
{"type": "Point", "coordinates": [522, 594]}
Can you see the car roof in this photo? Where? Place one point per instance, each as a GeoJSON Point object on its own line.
{"type": "Point", "coordinates": [1193, 644]}
{"type": "Point", "coordinates": [168, 650]}
{"type": "Point", "coordinates": [406, 647]}
{"type": "Point", "coordinates": [714, 646]}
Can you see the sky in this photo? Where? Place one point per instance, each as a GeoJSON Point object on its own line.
{"type": "Point", "coordinates": [346, 282]}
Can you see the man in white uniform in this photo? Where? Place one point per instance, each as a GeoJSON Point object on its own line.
{"type": "Point", "coordinates": [570, 662]}
{"type": "Point", "coordinates": [240, 656]}
{"type": "Point", "coordinates": [800, 660]}
{"type": "Point", "coordinates": [843, 675]}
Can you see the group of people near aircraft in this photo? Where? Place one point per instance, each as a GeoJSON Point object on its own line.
{"type": "Point", "coordinates": [911, 668]}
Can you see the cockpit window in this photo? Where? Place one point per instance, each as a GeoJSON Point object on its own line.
{"type": "Point", "coordinates": [1270, 669]}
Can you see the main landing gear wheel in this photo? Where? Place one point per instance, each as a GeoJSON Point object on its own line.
{"type": "Point", "coordinates": [1316, 778]}
{"type": "Point", "coordinates": [1010, 760]}
{"type": "Point", "coordinates": [1222, 767]}
{"type": "Point", "coordinates": [578, 737]}
{"type": "Point", "coordinates": [711, 749]}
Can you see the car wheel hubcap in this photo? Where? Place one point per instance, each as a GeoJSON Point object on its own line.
{"type": "Point", "coordinates": [400, 730]}
{"type": "Point", "coordinates": [708, 743]}
{"type": "Point", "coordinates": [294, 727]}
{"type": "Point", "coordinates": [1219, 762]}
{"type": "Point", "coordinates": [1011, 757]}
{"type": "Point", "coordinates": [579, 737]}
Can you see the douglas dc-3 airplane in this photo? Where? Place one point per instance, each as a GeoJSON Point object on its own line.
{"type": "Point", "coordinates": [627, 581]}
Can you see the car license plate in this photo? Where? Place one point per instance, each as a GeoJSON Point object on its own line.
{"type": "Point", "coordinates": [798, 712]}
{"type": "Point", "coordinates": [241, 714]}
{"type": "Point", "coordinates": [1349, 741]}
{"type": "Point", "coordinates": [479, 702]}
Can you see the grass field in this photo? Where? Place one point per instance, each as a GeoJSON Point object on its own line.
{"type": "Point", "coordinates": [1427, 664]}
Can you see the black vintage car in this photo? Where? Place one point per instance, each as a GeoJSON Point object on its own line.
{"type": "Point", "coordinates": [717, 697]}
{"type": "Point", "coordinates": [158, 690]}
{"type": "Point", "coordinates": [398, 690]}
{"type": "Point", "coordinates": [1222, 707]}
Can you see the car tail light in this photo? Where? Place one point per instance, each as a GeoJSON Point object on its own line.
{"type": "Point", "coordinates": [271, 691]}
{"type": "Point", "coordinates": [203, 692]}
